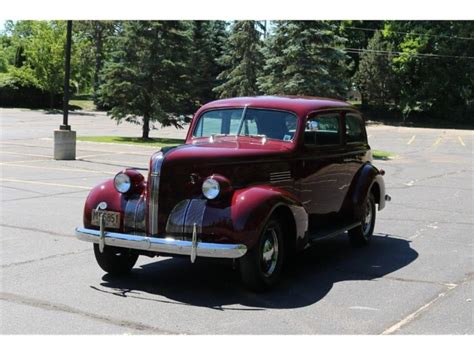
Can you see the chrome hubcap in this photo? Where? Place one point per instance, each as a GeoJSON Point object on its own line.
{"type": "Point", "coordinates": [367, 222]}
{"type": "Point", "coordinates": [269, 252]}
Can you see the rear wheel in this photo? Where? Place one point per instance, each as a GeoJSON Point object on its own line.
{"type": "Point", "coordinates": [115, 261]}
{"type": "Point", "coordinates": [261, 266]}
{"type": "Point", "coordinates": [362, 234]}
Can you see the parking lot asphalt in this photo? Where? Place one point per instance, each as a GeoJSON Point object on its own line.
{"type": "Point", "coordinates": [415, 278]}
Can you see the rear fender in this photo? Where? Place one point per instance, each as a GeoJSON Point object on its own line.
{"type": "Point", "coordinates": [367, 178]}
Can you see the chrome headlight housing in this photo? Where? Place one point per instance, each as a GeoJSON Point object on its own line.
{"type": "Point", "coordinates": [122, 182]}
{"type": "Point", "coordinates": [211, 188]}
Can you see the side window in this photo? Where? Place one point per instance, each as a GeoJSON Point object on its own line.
{"type": "Point", "coordinates": [355, 131]}
{"type": "Point", "coordinates": [323, 130]}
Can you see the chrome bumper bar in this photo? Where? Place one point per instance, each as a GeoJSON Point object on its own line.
{"type": "Point", "coordinates": [162, 245]}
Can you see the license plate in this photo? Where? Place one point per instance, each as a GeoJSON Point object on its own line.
{"type": "Point", "coordinates": [111, 219]}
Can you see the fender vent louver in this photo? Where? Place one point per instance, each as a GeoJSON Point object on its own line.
{"type": "Point", "coordinates": [280, 176]}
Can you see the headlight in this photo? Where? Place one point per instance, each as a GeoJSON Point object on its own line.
{"type": "Point", "coordinates": [122, 182]}
{"type": "Point", "coordinates": [211, 188]}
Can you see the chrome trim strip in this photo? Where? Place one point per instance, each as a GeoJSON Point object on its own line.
{"type": "Point", "coordinates": [163, 245]}
{"type": "Point", "coordinates": [280, 176]}
{"type": "Point", "coordinates": [154, 191]}
{"type": "Point", "coordinates": [194, 243]}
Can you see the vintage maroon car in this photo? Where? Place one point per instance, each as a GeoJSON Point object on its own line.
{"type": "Point", "coordinates": [257, 180]}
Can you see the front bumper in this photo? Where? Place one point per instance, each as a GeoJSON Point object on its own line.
{"type": "Point", "coordinates": [162, 245]}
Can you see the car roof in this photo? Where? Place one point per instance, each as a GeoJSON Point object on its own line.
{"type": "Point", "coordinates": [298, 104]}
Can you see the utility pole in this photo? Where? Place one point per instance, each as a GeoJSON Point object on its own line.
{"type": "Point", "coordinates": [67, 72]}
{"type": "Point", "coordinates": [64, 138]}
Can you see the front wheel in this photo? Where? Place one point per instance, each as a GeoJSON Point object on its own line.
{"type": "Point", "coordinates": [260, 267]}
{"type": "Point", "coordinates": [115, 261]}
{"type": "Point", "coordinates": [362, 234]}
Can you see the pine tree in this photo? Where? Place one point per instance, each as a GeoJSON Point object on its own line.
{"type": "Point", "coordinates": [208, 43]}
{"type": "Point", "coordinates": [304, 58]}
{"type": "Point", "coordinates": [375, 77]}
{"type": "Point", "coordinates": [147, 80]}
{"type": "Point", "coordinates": [243, 61]}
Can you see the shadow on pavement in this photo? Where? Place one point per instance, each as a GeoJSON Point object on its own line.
{"type": "Point", "coordinates": [214, 284]}
{"type": "Point", "coordinates": [72, 112]}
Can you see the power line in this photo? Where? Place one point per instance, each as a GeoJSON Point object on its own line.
{"type": "Point", "coordinates": [412, 33]}
{"type": "Point", "coordinates": [419, 55]}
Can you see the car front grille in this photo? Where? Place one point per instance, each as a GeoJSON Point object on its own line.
{"type": "Point", "coordinates": [154, 182]}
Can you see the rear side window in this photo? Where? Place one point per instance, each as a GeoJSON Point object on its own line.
{"type": "Point", "coordinates": [323, 130]}
{"type": "Point", "coordinates": [355, 131]}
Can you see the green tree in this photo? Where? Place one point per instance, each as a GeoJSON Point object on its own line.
{"type": "Point", "coordinates": [209, 38]}
{"type": "Point", "coordinates": [304, 58]}
{"type": "Point", "coordinates": [101, 36]}
{"type": "Point", "coordinates": [375, 77]}
{"type": "Point", "coordinates": [357, 35]}
{"type": "Point", "coordinates": [242, 59]}
{"type": "Point", "coordinates": [39, 54]}
{"type": "Point", "coordinates": [44, 52]}
{"type": "Point", "coordinates": [5, 44]}
{"type": "Point", "coordinates": [437, 78]}
{"type": "Point", "coordinates": [146, 81]}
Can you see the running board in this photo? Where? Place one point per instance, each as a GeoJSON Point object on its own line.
{"type": "Point", "coordinates": [330, 234]}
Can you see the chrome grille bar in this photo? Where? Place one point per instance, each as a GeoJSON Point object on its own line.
{"type": "Point", "coordinates": [280, 176]}
{"type": "Point", "coordinates": [154, 190]}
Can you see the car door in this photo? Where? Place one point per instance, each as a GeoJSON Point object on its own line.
{"type": "Point", "coordinates": [322, 168]}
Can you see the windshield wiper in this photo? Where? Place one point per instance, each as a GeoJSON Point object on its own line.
{"type": "Point", "coordinates": [223, 135]}
{"type": "Point", "coordinates": [212, 137]}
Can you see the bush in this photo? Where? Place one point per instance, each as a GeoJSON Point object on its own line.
{"type": "Point", "coordinates": [18, 88]}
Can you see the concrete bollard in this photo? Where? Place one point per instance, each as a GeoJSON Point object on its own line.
{"type": "Point", "coordinates": [64, 145]}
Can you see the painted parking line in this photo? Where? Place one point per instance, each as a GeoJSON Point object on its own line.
{"type": "Point", "coordinates": [461, 141]}
{"type": "Point", "coordinates": [104, 153]}
{"type": "Point", "coordinates": [412, 139]}
{"type": "Point", "coordinates": [412, 316]}
{"type": "Point", "coordinates": [26, 154]}
{"type": "Point", "coordinates": [87, 150]}
{"type": "Point", "coordinates": [115, 163]}
{"type": "Point", "coordinates": [58, 169]}
{"type": "Point", "coordinates": [438, 141]}
{"type": "Point", "coordinates": [26, 161]}
{"type": "Point", "coordinates": [46, 183]}
{"type": "Point", "coordinates": [96, 155]}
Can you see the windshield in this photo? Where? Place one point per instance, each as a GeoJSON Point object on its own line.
{"type": "Point", "coordinates": [271, 124]}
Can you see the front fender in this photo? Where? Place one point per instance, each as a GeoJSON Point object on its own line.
{"type": "Point", "coordinates": [130, 206]}
{"type": "Point", "coordinates": [252, 207]}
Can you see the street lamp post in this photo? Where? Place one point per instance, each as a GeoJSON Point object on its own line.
{"type": "Point", "coordinates": [64, 138]}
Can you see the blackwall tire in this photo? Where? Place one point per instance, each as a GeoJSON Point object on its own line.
{"type": "Point", "coordinates": [115, 261]}
{"type": "Point", "coordinates": [362, 234]}
{"type": "Point", "coordinates": [261, 266]}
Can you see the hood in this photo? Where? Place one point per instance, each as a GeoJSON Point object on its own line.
{"type": "Point", "coordinates": [225, 150]}
{"type": "Point", "coordinates": [242, 160]}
